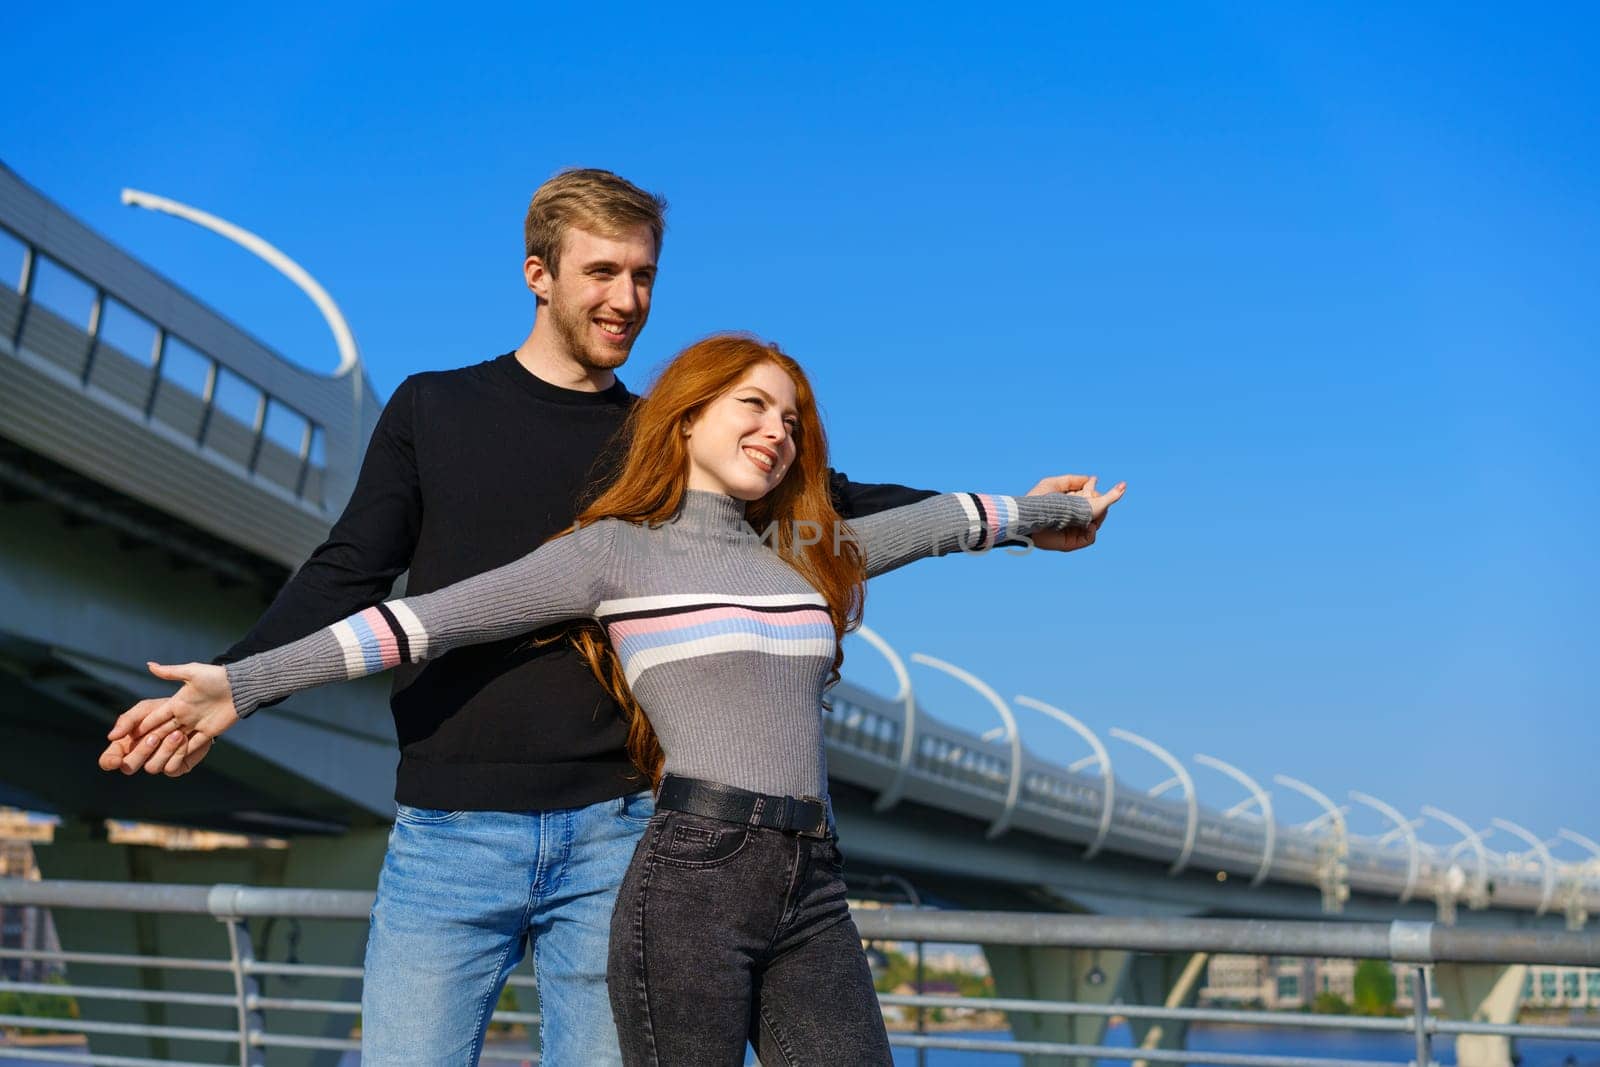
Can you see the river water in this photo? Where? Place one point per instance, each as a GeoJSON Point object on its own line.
{"type": "Point", "coordinates": [1285, 1041]}
{"type": "Point", "coordinates": [1258, 1041]}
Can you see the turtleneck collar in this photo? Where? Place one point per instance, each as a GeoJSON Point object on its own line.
{"type": "Point", "coordinates": [710, 511]}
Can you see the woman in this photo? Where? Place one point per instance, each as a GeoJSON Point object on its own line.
{"type": "Point", "coordinates": [721, 581]}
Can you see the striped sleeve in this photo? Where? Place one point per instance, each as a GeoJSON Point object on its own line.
{"type": "Point", "coordinates": [563, 579]}
{"type": "Point", "coordinates": [967, 522]}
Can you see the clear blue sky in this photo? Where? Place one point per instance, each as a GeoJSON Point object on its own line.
{"type": "Point", "coordinates": [1319, 283]}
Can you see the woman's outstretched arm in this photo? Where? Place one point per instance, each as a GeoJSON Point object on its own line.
{"type": "Point", "coordinates": [972, 522]}
{"type": "Point", "coordinates": [563, 579]}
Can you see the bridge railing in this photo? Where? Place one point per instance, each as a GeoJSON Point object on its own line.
{"type": "Point", "coordinates": [243, 1014]}
{"type": "Point", "coordinates": [82, 314]}
{"type": "Point", "coordinates": [954, 769]}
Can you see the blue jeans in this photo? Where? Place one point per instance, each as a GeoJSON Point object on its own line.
{"type": "Point", "coordinates": [461, 895]}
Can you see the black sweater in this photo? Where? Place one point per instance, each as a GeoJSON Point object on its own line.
{"type": "Point", "coordinates": [467, 470]}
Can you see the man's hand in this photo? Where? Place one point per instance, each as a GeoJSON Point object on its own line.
{"type": "Point", "coordinates": [1077, 485]}
{"type": "Point", "coordinates": [171, 735]}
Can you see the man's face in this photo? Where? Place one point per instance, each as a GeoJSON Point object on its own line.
{"type": "Point", "coordinates": [599, 300]}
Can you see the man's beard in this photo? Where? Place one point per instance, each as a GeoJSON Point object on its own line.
{"type": "Point", "coordinates": [573, 330]}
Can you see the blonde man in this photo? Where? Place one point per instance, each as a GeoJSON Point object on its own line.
{"type": "Point", "coordinates": [518, 809]}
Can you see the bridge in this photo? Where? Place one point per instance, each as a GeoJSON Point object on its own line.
{"type": "Point", "coordinates": [162, 472]}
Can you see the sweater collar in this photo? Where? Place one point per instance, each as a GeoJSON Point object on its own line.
{"type": "Point", "coordinates": [553, 394]}
{"type": "Point", "coordinates": [702, 510]}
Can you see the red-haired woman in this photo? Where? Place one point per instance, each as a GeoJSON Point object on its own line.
{"type": "Point", "coordinates": [719, 581]}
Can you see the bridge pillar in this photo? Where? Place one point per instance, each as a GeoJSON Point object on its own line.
{"type": "Point", "coordinates": [1085, 976]}
{"type": "Point", "coordinates": [1173, 981]}
{"type": "Point", "coordinates": [80, 851]}
{"type": "Point", "coordinates": [1481, 993]}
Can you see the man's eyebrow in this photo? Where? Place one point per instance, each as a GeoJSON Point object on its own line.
{"type": "Point", "coordinates": [612, 267]}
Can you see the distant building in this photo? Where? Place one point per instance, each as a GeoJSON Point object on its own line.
{"type": "Point", "coordinates": [1561, 987]}
{"type": "Point", "coordinates": [1235, 980]}
{"type": "Point", "coordinates": [25, 929]}
{"type": "Point", "coordinates": [1277, 983]}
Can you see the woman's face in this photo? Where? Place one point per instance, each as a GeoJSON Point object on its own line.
{"type": "Point", "coordinates": [742, 443]}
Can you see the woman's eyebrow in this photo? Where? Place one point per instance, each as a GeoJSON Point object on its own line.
{"type": "Point", "coordinates": [768, 398]}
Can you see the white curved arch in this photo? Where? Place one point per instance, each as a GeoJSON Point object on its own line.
{"type": "Point", "coordinates": [1330, 811]}
{"type": "Point", "coordinates": [1109, 789]}
{"type": "Point", "coordinates": [1014, 788]}
{"type": "Point", "coordinates": [1179, 772]}
{"type": "Point", "coordinates": [908, 707]}
{"type": "Point", "coordinates": [1269, 824]}
{"type": "Point", "coordinates": [1479, 897]}
{"type": "Point", "coordinates": [1402, 826]}
{"type": "Point", "coordinates": [1581, 841]}
{"type": "Point", "coordinates": [349, 355]}
{"type": "Point", "coordinates": [1547, 865]}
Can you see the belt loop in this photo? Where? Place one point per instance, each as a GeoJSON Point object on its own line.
{"type": "Point", "coordinates": [756, 809]}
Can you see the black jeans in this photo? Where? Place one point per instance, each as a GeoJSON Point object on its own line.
{"type": "Point", "coordinates": [725, 934]}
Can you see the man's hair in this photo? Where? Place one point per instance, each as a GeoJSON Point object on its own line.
{"type": "Point", "coordinates": [589, 199]}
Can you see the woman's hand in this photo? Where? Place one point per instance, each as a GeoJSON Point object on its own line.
{"type": "Point", "coordinates": [1100, 503]}
{"type": "Point", "coordinates": [172, 734]}
{"type": "Point", "coordinates": [1074, 538]}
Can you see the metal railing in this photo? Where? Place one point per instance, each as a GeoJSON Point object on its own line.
{"type": "Point", "coordinates": [87, 320]}
{"type": "Point", "coordinates": [873, 739]}
{"type": "Point", "coordinates": [244, 1012]}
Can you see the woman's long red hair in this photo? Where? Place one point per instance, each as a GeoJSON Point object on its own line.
{"type": "Point", "coordinates": [655, 475]}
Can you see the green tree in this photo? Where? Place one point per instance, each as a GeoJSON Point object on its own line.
{"type": "Point", "coordinates": [1374, 988]}
{"type": "Point", "coordinates": [39, 1006]}
{"type": "Point", "coordinates": [1330, 1004]}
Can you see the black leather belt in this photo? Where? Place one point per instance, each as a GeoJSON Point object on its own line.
{"type": "Point", "coordinates": [806, 816]}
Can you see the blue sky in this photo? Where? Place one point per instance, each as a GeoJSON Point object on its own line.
{"type": "Point", "coordinates": [1318, 282]}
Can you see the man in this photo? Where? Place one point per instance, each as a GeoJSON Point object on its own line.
{"type": "Point", "coordinates": [518, 808]}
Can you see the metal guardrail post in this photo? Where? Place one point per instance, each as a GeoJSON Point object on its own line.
{"type": "Point", "coordinates": [258, 429]}
{"type": "Point", "coordinates": [1012, 734]}
{"type": "Point", "coordinates": [1108, 781]}
{"type": "Point", "coordinates": [1547, 865]}
{"type": "Point", "coordinates": [30, 268]}
{"type": "Point", "coordinates": [158, 359]}
{"type": "Point", "coordinates": [1403, 827]}
{"type": "Point", "coordinates": [915, 900]}
{"type": "Point", "coordinates": [247, 989]}
{"type": "Point", "coordinates": [1261, 798]}
{"type": "Point", "coordinates": [306, 436]}
{"type": "Point", "coordinates": [208, 397]}
{"type": "Point", "coordinates": [890, 795]}
{"type": "Point", "coordinates": [1420, 1018]}
{"type": "Point", "coordinates": [96, 313]}
{"type": "Point", "coordinates": [1181, 777]}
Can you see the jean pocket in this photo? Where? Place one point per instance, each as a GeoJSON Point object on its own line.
{"type": "Point", "coordinates": [424, 816]}
{"type": "Point", "coordinates": [700, 843]}
{"type": "Point", "coordinates": [635, 808]}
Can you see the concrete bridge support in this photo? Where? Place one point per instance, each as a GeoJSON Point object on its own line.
{"type": "Point", "coordinates": [1094, 976]}
{"type": "Point", "coordinates": [1085, 976]}
{"type": "Point", "coordinates": [1173, 981]}
{"type": "Point", "coordinates": [1481, 993]}
{"type": "Point", "coordinates": [80, 851]}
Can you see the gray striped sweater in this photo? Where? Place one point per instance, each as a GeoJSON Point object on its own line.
{"type": "Point", "coordinates": [725, 646]}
